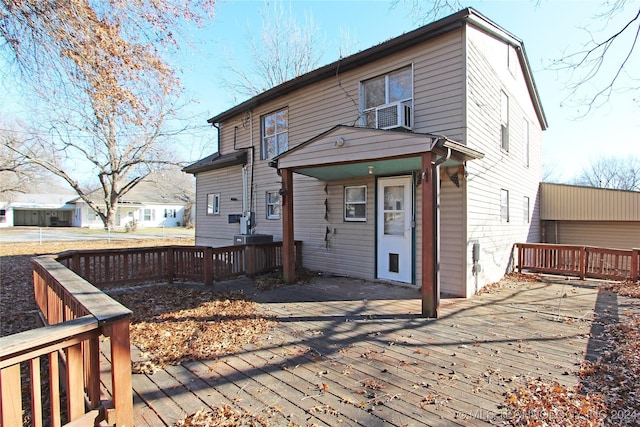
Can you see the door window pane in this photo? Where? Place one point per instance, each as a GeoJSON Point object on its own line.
{"type": "Point", "coordinates": [394, 197]}
{"type": "Point", "coordinates": [394, 223]}
{"type": "Point", "coordinates": [394, 210]}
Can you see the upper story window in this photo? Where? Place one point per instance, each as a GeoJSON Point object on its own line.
{"type": "Point", "coordinates": [387, 100]}
{"type": "Point", "coordinates": [504, 121]}
{"type": "Point", "coordinates": [275, 133]}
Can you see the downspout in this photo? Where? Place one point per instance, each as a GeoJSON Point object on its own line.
{"type": "Point", "coordinates": [217, 126]}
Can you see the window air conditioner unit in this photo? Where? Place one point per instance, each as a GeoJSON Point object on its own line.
{"type": "Point", "coordinates": [393, 116]}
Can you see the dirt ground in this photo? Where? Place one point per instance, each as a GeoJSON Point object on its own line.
{"type": "Point", "coordinates": [17, 305]}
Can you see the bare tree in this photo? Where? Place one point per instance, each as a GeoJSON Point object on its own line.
{"type": "Point", "coordinates": [423, 12]}
{"type": "Point", "coordinates": [107, 94]}
{"type": "Point", "coordinates": [612, 172]}
{"type": "Point", "coordinates": [286, 48]}
{"type": "Point", "coordinates": [604, 64]}
{"type": "Point", "coordinates": [17, 175]}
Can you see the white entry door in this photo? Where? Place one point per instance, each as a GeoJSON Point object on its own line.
{"type": "Point", "coordinates": [394, 233]}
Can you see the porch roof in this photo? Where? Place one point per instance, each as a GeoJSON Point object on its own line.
{"type": "Point", "coordinates": [217, 161]}
{"type": "Point", "coordinates": [349, 152]}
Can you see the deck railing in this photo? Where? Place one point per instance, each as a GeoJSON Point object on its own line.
{"type": "Point", "coordinates": [108, 267]}
{"type": "Point", "coordinates": [581, 261]}
{"type": "Point", "coordinates": [77, 317]}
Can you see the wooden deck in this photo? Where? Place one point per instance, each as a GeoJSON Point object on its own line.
{"type": "Point", "coordinates": [349, 352]}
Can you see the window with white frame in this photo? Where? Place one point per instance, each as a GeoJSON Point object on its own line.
{"type": "Point", "coordinates": [355, 203]}
{"type": "Point", "coordinates": [169, 213]}
{"type": "Point", "coordinates": [504, 120]}
{"type": "Point", "coordinates": [3, 215]}
{"type": "Point", "coordinates": [504, 205]}
{"type": "Point", "coordinates": [393, 87]}
{"type": "Point", "coordinates": [273, 205]}
{"type": "Point", "coordinates": [148, 214]}
{"type": "Point", "coordinates": [525, 210]}
{"type": "Point", "coordinates": [213, 204]}
{"type": "Point", "coordinates": [275, 133]}
{"type": "Point", "coordinates": [525, 131]}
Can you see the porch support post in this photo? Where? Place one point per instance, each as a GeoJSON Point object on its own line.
{"type": "Point", "coordinates": [288, 244]}
{"type": "Point", "coordinates": [430, 285]}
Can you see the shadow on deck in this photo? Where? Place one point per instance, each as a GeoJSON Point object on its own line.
{"type": "Point", "coordinates": [354, 352]}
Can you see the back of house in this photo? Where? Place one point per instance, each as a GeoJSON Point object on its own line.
{"type": "Point", "coordinates": [360, 137]}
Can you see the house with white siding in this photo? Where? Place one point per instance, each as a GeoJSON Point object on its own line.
{"type": "Point", "coordinates": [146, 205]}
{"type": "Point", "coordinates": [414, 161]}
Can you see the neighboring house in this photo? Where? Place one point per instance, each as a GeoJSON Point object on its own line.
{"type": "Point", "coordinates": [144, 206]}
{"type": "Point", "coordinates": [41, 210]}
{"type": "Point", "coordinates": [574, 215]}
{"type": "Point", "coordinates": [345, 159]}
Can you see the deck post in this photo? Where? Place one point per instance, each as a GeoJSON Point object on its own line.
{"type": "Point", "coordinates": [584, 259]}
{"type": "Point", "coordinates": [635, 264]}
{"type": "Point", "coordinates": [251, 261]}
{"type": "Point", "coordinates": [209, 276]}
{"type": "Point", "coordinates": [170, 264]}
{"type": "Point", "coordinates": [11, 398]}
{"type": "Point", "coordinates": [121, 373]}
{"type": "Point", "coordinates": [430, 297]}
{"type": "Point", "coordinates": [288, 244]}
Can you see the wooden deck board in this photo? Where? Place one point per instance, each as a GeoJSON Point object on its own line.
{"type": "Point", "coordinates": [315, 365]}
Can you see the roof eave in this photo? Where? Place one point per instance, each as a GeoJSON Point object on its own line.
{"type": "Point", "coordinates": [356, 60]}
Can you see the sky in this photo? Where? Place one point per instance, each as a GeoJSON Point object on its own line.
{"type": "Point", "coordinates": [548, 28]}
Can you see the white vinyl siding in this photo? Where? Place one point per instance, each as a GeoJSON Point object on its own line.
{"type": "Point", "coordinates": [451, 97]}
{"type": "Point", "coordinates": [525, 141]}
{"type": "Point", "coordinates": [488, 75]}
{"type": "Point", "coordinates": [215, 230]}
{"type": "Point", "coordinates": [349, 248]}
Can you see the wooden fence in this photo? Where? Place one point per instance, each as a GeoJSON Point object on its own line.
{"type": "Point", "coordinates": [67, 350]}
{"type": "Point", "coordinates": [78, 316]}
{"type": "Point", "coordinates": [581, 261]}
